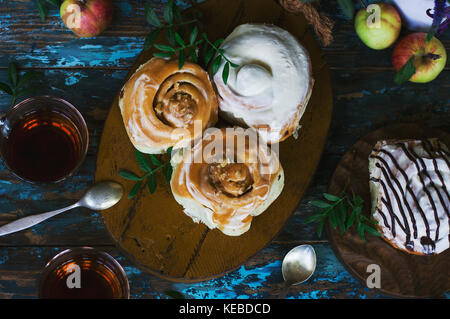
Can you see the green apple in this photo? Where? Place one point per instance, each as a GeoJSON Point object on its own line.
{"type": "Point", "coordinates": [378, 26]}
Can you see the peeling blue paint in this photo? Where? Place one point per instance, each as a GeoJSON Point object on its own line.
{"type": "Point", "coordinates": [74, 78]}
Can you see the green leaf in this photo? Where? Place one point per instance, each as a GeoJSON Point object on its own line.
{"type": "Point", "coordinates": [12, 74]}
{"type": "Point", "coordinates": [54, 3]}
{"type": "Point", "coordinates": [41, 10]}
{"type": "Point", "coordinates": [234, 65]}
{"type": "Point", "coordinates": [167, 172]}
{"type": "Point", "coordinates": [151, 184]}
{"type": "Point", "coordinates": [226, 73]}
{"type": "Point", "coordinates": [168, 12]}
{"type": "Point", "coordinates": [333, 220]}
{"type": "Point", "coordinates": [315, 218]}
{"type": "Point", "coordinates": [5, 88]}
{"type": "Point", "coordinates": [27, 77]}
{"type": "Point", "coordinates": [135, 189]}
{"type": "Point", "coordinates": [174, 294]}
{"type": "Point", "coordinates": [357, 200]}
{"type": "Point", "coordinates": [170, 35]}
{"type": "Point", "coordinates": [181, 59]}
{"type": "Point", "coordinates": [406, 72]}
{"type": "Point", "coordinates": [216, 64]}
{"type": "Point", "coordinates": [218, 42]}
{"type": "Point", "coordinates": [371, 230]}
{"type": "Point", "coordinates": [331, 198]}
{"type": "Point", "coordinates": [351, 219]}
{"type": "Point", "coordinates": [142, 162]}
{"type": "Point", "coordinates": [341, 216]}
{"type": "Point", "coordinates": [129, 175]}
{"type": "Point", "coordinates": [193, 54]}
{"type": "Point", "coordinates": [162, 54]}
{"type": "Point", "coordinates": [348, 7]}
{"type": "Point", "coordinates": [164, 48]}
{"type": "Point", "coordinates": [25, 92]}
{"type": "Point", "coordinates": [151, 38]}
{"type": "Point", "coordinates": [320, 228]}
{"type": "Point", "coordinates": [209, 55]}
{"type": "Point", "coordinates": [360, 229]}
{"type": "Point", "coordinates": [151, 16]}
{"type": "Point", "coordinates": [179, 39]}
{"type": "Point", "coordinates": [320, 204]}
{"type": "Point", "coordinates": [193, 35]}
{"type": "Point", "coordinates": [176, 12]}
{"type": "Point", "coordinates": [169, 150]}
{"type": "Point", "coordinates": [155, 161]}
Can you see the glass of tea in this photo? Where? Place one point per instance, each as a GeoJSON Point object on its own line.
{"type": "Point", "coordinates": [43, 139]}
{"type": "Point", "coordinates": [83, 273]}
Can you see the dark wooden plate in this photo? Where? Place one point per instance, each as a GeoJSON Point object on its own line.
{"type": "Point", "coordinates": [402, 274]}
{"type": "Point", "coordinates": [152, 230]}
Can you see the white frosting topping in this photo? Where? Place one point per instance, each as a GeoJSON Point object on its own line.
{"type": "Point", "coordinates": [411, 183]}
{"type": "Point", "coordinates": [272, 81]}
{"type": "Point", "coordinates": [252, 79]}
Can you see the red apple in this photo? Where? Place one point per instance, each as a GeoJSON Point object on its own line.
{"type": "Point", "coordinates": [430, 57]}
{"type": "Point", "coordinates": [87, 18]}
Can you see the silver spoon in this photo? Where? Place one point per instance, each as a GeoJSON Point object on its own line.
{"type": "Point", "coordinates": [100, 196]}
{"type": "Point", "coordinates": [298, 266]}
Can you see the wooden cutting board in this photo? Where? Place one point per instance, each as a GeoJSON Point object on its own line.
{"type": "Point", "coordinates": [152, 230]}
{"type": "Point", "coordinates": [402, 274]}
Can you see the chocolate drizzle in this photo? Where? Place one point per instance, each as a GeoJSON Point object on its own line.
{"type": "Point", "coordinates": [390, 182]}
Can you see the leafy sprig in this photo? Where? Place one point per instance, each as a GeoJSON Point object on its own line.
{"type": "Point", "coordinates": [184, 39]}
{"type": "Point", "coordinates": [348, 7]}
{"type": "Point", "coordinates": [42, 8]}
{"type": "Point", "coordinates": [17, 86]}
{"type": "Point", "coordinates": [342, 212]}
{"type": "Point", "coordinates": [406, 72]}
{"type": "Point", "coordinates": [150, 168]}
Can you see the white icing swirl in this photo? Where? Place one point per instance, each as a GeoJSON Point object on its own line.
{"type": "Point", "coordinates": [271, 87]}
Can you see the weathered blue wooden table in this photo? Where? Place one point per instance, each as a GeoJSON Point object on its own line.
{"type": "Point", "coordinates": [89, 72]}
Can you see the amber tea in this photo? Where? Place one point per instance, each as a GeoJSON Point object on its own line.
{"type": "Point", "coordinates": [83, 274]}
{"type": "Point", "coordinates": [44, 140]}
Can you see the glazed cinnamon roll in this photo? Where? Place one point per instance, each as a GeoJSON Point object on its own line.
{"type": "Point", "coordinates": [161, 105]}
{"type": "Point", "coordinates": [226, 179]}
{"type": "Point", "coordinates": [270, 89]}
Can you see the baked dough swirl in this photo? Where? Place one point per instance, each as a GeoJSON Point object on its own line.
{"type": "Point", "coordinates": [161, 105]}
{"type": "Point", "coordinates": [225, 188]}
{"type": "Point", "coordinates": [270, 89]}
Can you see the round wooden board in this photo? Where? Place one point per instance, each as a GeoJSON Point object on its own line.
{"type": "Point", "coordinates": [152, 230]}
{"type": "Point", "coordinates": [402, 274]}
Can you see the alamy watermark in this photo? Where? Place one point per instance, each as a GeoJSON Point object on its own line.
{"type": "Point", "coordinates": [74, 279]}
{"type": "Point", "coordinates": [374, 279]}
{"type": "Point", "coordinates": [374, 19]}
{"type": "Point", "coordinates": [74, 16]}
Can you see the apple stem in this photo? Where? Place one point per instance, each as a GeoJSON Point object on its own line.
{"type": "Point", "coordinates": [432, 56]}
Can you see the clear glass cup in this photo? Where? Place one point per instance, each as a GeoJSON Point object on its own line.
{"type": "Point", "coordinates": [43, 139]}
{"type": "Point", "coordinates": [98, 276]}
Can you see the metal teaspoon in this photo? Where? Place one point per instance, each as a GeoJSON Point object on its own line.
{"type": "Point", "coordinates": [100, 196]}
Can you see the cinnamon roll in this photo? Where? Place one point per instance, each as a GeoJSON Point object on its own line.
{"type": "Point", "coordinates": [270, 89]}
{"type": "Point", "coordinates": [161, 105]}
{"type": "Point", "coordinates": [226, 179]}
{"type": "Point", "coordinates": [410, 188]}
